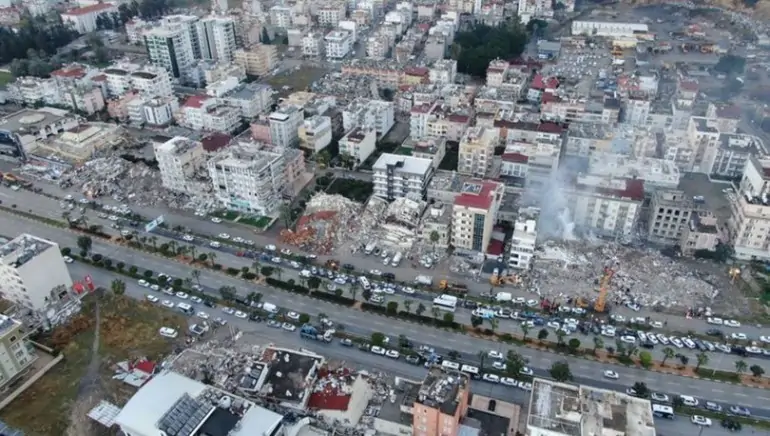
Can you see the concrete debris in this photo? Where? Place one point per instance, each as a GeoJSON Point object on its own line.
{"type": "Point", "coordinates": [640, 278]}
{"type": "Point", "coordinates": [329, 220]}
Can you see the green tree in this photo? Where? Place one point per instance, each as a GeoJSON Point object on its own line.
{"type": "Point", "coordinates": [434, 237]}
{"type": "Point", "coordinates": [560, 336]}
{"type": "Point", "coordinates": [514, 364]}
{"type": "Point", "coordinates": [598, 343]}
{"type": "Point", "coordinates": [67, 216]}
{"type": "Point", "coordinates": [118, 287]}
{"type": "Point", "coordinates": [392, 307]}
{"type": "Point", "coordinates": [85, 243]}
{"type": "Point", "coordinates": [740, 366]}
{"type": "Point", "coordinates": [408, 305]}
{"type": "Point", "coordinates": [702, 359]}
{"type": "Point", "coordinates": [266, 271]}
{"type": "Point", "coordinates": [196, 275]}
{"type": "Point", "coordinates": [323, 158]}
{"type": "Point", "coordinates": [420, 309]}
{"type": "Point", "coordinates": [573, 345]}
{"type": "Point", "coordinates": [561, 372]}
{"type": "Point", "coordinates": [278, 271]}
{"type": "Point", "coordinates": [378, 339]}
{"type": "Point", "coordinates": [645, 359]}
{"type": "Point", "coordinates": [474, 48]}
{"type": "Point", "coordinates": [524, 332]}
{"type": "Point", "coordinates": [227, 293]}
{"type": "Point", "coordinates": [640, 390]}
{"type": "Point", "coordinates": [542, 335]}
{"type": "Point", "coordinates": [313, 282]}
{"type": "Point", "coordinates": [756, 370]}
{"type": "Point", "coordinates": [285, 214]}
{"type": "Point", "coordinates": [668, 353]}
{"type": "Point", "coordinates": [435, 311]}
{"type": "Point", "coordinates": [449, 318]}
{"type": "Point", "coordinates": [493, 323]}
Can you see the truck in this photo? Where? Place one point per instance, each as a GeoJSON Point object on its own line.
{"type": "Point", "coordinates": [309, 331]}
{"type": "Point", "coordinates": [370, 248]}
{"type": "Point", "coordinates": [396, 259]}
{"type": "Point", "coordinates": [424, 280]}
{"type": "Point", "coordinates": [456, 289]}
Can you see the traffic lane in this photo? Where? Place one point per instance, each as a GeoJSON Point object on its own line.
{"type": "Point", "coordinates": [216, 280]}
{"type": "Point", "coordinates": [587, 371]}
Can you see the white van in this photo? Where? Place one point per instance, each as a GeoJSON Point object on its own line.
{"type": "Point", "coordinates": [502, 297]}
{"type": "Point", "coordinates": [364, 283]}
{"type": "Point", "coordinates": [396, 259]}
{"type": "Point", "coordinates": [185, 308]}
{"type": "Point", "coordinates": [269, 308]}
{"type": "Point", "coordinates": [448, 364]}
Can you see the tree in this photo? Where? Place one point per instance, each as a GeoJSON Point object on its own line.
{"type": "Point", "coordinates": [285, 214]}
{"type": "Point", "coordinates": [474, 48]}
{"type": "Point", "coordinates": [668, 353]}
{"type": "Point", "coordinates": [524, 332]}
{"type": "Point", "coordinates": [378, 339]}
{"type": "Point", "coordinates": [560, 371]}
{"type": "Point", "coordinates": [314, 282]}
{"type": "Point", "coordinates": [118, 287]}
{"type": "Point", "coordinates": [449, 318]}
{"type": "Point", "coordinates": [493, 323]}
{"type": "Point", "coordinates": [196, 275]}
{"type": "Point", "coordinates": [67, 216]}
{"type": "Point", "coordinates": [598, 343]}
{"type": "Point", "coordinates": [560, 336]}
{"type": "Point", "coordinates": [323, 158]}
{"type": "Point", "coordinates": [756, 370]}
{"type": "Point", "coordinates": [684, 360]}
{"type": "Point", "coordinates": [434, 237]}
{"type": "Point", "coordinates": [278, 271]}
{"type": "Point", "coordinates": [573, 345]}
{"type": "Point", "coordinates": [392, 307]}
{"type": "Point", "coordinates": [542, 335]}
{"type": "Point", "coordinates": [640, 390]}
{"type": "Point", "coordinates": [420, 309]}
{"type": "Point", "coordinates": [730, 64]}
{"type": "Point", "coordinates": [85, 243]}
{"type": "Point", "coordinates": [514, 364]}
{"type": "Point", "coordinates": [266, 271]}
{"type": "Point", "coordinates": [702, 359]}
{"type": "Point", "coordinates": [227, 293]}
{"type": "Point", "coordinates": [740, 366]}
{"type": "Point", "coordinates": [254, 297]}
{"type": "Point", "coordinates": [408, 305]}
{"type": "Point", "coordinates": [645, 359]}
{"type": "Point", "coordinates": [435, 311]}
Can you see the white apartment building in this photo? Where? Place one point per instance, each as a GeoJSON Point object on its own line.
{"type": "Point", "coordinates": [609, 29]}
{"type": "Point", "coordinates": [280, 16]}
{"type": "Point", "coordinates": [637, 111]}
{"type": "Point", "coordinates": [522, 251]}
{"type": "Point", "coordinates": [330, 14]}
{"type": "Point", "coordinates": [395, 176]}
{"type": "Point", "coordinates": [474, 215]}
{"type": "Point", "coordinates": [22, 281]}
{"type": "Point", "coordinates": [734, 151]}
{"type": "Point", "coordinates": [749, 224]}
{"type": "Point", "coordinates": [313, 45]}
{"type": "Point", "coordinates": [703, 140]}
{"type": "Point", "coordinates": [359, 143]}
{"type": "Point", "coordinates": [209, 114]}
{"type": "Point", "coordinates": [216, 38]}
{"type": "Point", "coordinates": [251, 99]}
{"type": "Point", "coordinates": [15, 354]}
{"type": "Point", "coordinates": [178, 160]}
{"type": "Point", "coordinates": [670, 214]}
{"type": "Point", "coordinates": [248, 179]}
{"type": "Point", "coordinates": [173, 46]}
{"type": "Point", "coordinates": [477, 147]}
{"type": "Point", "coordinates": [153, 112]}
{"type": "Point", "coordinates": [83, 20]}
{"type": "Point", "coordinates": [284, 125]}
{"type": "Point", "coordinates": [606, 206]}
{"type": "Point", "coordinates": [443, 71]}
{"type": "Point", "coordinates": [656, 173]}
{"type": "Point", "coordinates": [315, 133]}
{"type": "Point", "coordinates": [369, 114]}
{"type": "Point", "coordinates": [258, 60]}
{"type": "Point", "coordinates": [338, 44]}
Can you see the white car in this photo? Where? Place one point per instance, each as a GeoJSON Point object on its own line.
{"type": "Point", "coordinates": [393, 354]}
{"type": "Point", "coordinates": [628, 339]}
{"type": "Point", "coordinates": [228, 310]}
{"type": "Point", "coordinates": [241, 315]}
{"type": "Point", "coordinates": [214, 244]}
{"type": "Point", "coordinates": [492, 378]}
{"type": "Point", "coordinates": [168, 291]}
{"type": "Point", "coordinates": [611, 374]}
{"type": "Point", "coordinates": [223, 236]}
{"type": "Point", "coordinates": [526, 371]}
{"type": "Point", "coordinates": [188, 238]}
{"type": "Point", "coordinates": [732, 323]}
{"type": "Point", "coordinates": [739, 336]}
{"type": "Point", "coordinates": [553, 325]}
{"type": "Point", "coordinates": [168, 304]}
{"type": "Point", "coordinates": [378, 350]}
{"type": "Point", "coordinates": [677, 342]}
{"type": "Point", "coordinates": [375, 272]}
{"type": "Point", "coordinates": [496, 355]}
{"type": "Point", "coordinates": [68, 259]}
{"type": "Point", "coordinates": [152, 298]}
{"type": "Point", "coordinates": [168, 332]}
{"type": "Point", "coordinates": [715, 321]}
{"type": "Point", "coordinates": [270, 247]}
{"type": "Point", "coordinates": [216, 220]}
{"type": "Point", "coordinates": [202, 315]}
{"type": "Point", "coordinates": [507, 381]}
{"type": "Point", "coordinates": [182, 295]}
{"type": "Point", "coordinates": [155, 287]}
{"type": "Point", "coordinates": [293, 315]}
{"type": "Point", "coordinates": [197, 300]}
{"type": "Point", "coordinates": [765, 339]}
{"type": "Point", "coordinates": [661, 398]}
{"type": "Point", "coordinates": [143, 283]}
{"type": "Point", "coordinates": [701, 420]}
{"type": "Point", "coordinates": [288, 327]}
{"type": "Point", "coordinates": [527, 386]}
{"type": "Point", "coordinates": [499, 365]}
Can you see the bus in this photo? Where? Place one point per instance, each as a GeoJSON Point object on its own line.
{"type": "Point", "coordinates": [470, 370]}
{"type": "Point", "coordinates": [364, 283]}
{"type": "Point", "coordinates": [662, 411]}
{"type": "Point", "coordinates": [185, 308]}
{"type": "Point", "coordinates": [445, 302]}
{"type": "Point", "coordinates": [448, 364]}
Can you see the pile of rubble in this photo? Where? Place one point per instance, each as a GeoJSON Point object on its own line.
{"type": "Point", "coordinates": [328, 221]}
{"type": "Point", "coordinates": [644, 278]}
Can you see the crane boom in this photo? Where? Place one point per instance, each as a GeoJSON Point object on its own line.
{"type": "Point", "coordinates": [604, 287]}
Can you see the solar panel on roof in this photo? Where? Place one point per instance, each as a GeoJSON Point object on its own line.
{"type": "Point", "coordinates": [184, 416]}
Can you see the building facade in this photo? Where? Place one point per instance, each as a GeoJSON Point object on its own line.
{"type": "Point", "coordinates": [395, 176]}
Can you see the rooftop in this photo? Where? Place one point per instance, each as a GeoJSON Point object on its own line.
{"type": "Point", "coordinates": [632, 189]}
{"type": "Point", "coordinates": [477, 194]}
{"type": "Point", "coordinates": [90, 9]}
{"type": "Point", "coordinates": [649, 169]}
{"type": "Point", "coordinates": [332, 390]}
{"type": "Point", "coordinates": [144, 75]}
{"type": "Point", "coordinates": [290, 374]}
{"type": "Point", "coordinates": [590, 130]}
{"type": "Point", "coordinates": [702, 125]}
{"type": "Point", "coordinates": [403, 164]}
{"type": "Point", "coordinates": [178, 145]}
{"type": "Point", "coordinates": [22, 249]}
{"type": "Point", "coordinates": [195, 101]}
{"type": "Point", "coordinates": [246, 156]}
{"type": "Point", "coordinates": [357, 135]}
{"type": "Point", "coordinates": [441, 389]}
{"type": "Point", "coordinates": [31, 120]}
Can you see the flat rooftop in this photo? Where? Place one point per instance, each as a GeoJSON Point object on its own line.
{"type": "Point", "coordinates": [22, 249]}
{"type": "Point", "coordinates": [440, 389]}
{"type": "Point", "coordinates": [31, 119]}
{"type": "Point", "coordinates": [289, 374]}
{"type": "Point", "coordinates": [177, 145]}
{"type": "Point", "coordinates": [403, 164]}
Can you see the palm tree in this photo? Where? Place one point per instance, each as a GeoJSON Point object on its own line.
{"type": "Point", "coordinates": [702, 358]}
{"type": "Point", "coordinates": [482, 355]}
{"type": "Point", "coordinates": [435, 311]}
{"type": "Point", "coordinates": [154, 240]}
{"type": "Point", "coordinates": [196, 275]}
{"type": "Point", "coordinates": [192, 252]}
{"type": "Point", "coordinates": [493, 324]}
{"type": "Point", "coordinates": [67, 215]}
{"type": "Point", "coordinates": [118, 287]}
{"type": "Point", "coordinates": [434, 237]}
{"type": "Point", "coordinates": [172, 246]}
{"type": "Point", "coordinates": [285, 214]}
{"type": "Point", "coordinates": [598, 343]}
{"type": "Point", "coordinates": [524, 331]}
{"type": "Point", "coordinates": [560, 336]}
{"type": "Point", "coordinates": [740, 366]}
{"type": "Point", "coordinates": [83, 220]}
{"type": "Point", "coordinates": [212, 257]}
{"type": "Point", "coordinates": [256, 266]}
{"type": "Point", "coordinates": [668, 353]}
{"type": "Point", "coordinates": [278, 271]}
{"type": "Point", "coordinates": [408, 305]}
{"type": "Point", "coordinates": [353, 289]}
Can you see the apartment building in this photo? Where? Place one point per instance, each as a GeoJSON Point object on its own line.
{"type": "Point", "coordinates": [258, 60]}
{"type": "Point", "coordinates": [522, 251]}
{"type": "Point", "coordinates": [313, 45]}
{"type": "Point", "coordinates": [330, 14]}
{"type": "Point", "coordinates": [670, 213]}
{"type": "Point", "coordinates": [703, 140]}
{"type": "Point", "coordinates": [280, 16]}
{"type": "Point", "coordinates": [338, 43]}
{"type": "Point", "coordinates": [395, 176]}
{"type": "Point", "coordinates": [474, 214]}
{"type": "Point", "coordinates": [204, 113]}
{"type": "Point", "coordinates": [179, 159]}
{"type": "Point", "coordinates": [214, 72]}
{"type": "Point", "coordinates": [733, 152]}
{"type": "Point", "coordinates": [248, 179]}
{"type": "Point", "coordinates": [15, 354]}
{"type": "Point", "coordinates": [428, 148]}
{"type": "Point", "coordinates": [251, 99]}
{"type": "Point", "coordinates": [437, 119]}
{"type": "Point", "coordinates": [678, 149]}
{"type": "Point", "coordinates": [606, 28]}
{"type": "Point", "coordinates": [583, 139]}
{"type": "Point", "coordinates": [149, 81]}
{"type": "Point", "coordinates": [656, 173]}
{"type": "Point", "coordinates": [315, 133]}
{"type": "Point", "coordinates": [637, 111]}
{"type": "Point", "coordinates": [607, 207]}
{"type": "Point", "coordinates": [726, 116]}
{"type": "Point", "coordinates": [437, 218]}
{"type": "Point", "coordinates": [284, 125]}
{"type": "Point", "coordinates": [21, 282]}
{"type": "Point", "coordinates": [379, 44]}
{"type": "Point", "coordinates": [441, 403]}
{"type": "Point", "coordinates": [700, 233]}
{"type": "Point", "coordinates": [173, 46]}
{"type": "Point", "coordinates": [477, 147]}
{"type": "Point", "coordinates": [216, 38]}
{"type": "Point", "coordinates": [749, 224]}
{"type": "Point", "coordinates": [359, 143]}
{"type": "Point", "coordinates": [83, 20]}
{"type": "Point", "coordinates": [369, 114]}
{"type": "Point", "coordinates": [443, 71]}
{"type": "Point", "coordinates": [573, 110]}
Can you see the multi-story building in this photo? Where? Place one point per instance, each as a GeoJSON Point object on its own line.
{"type": "Point", "coordinates": [474, 214]}
{"type": "Point", "coordinates": [606, 28]}
{"type": "Point", "coordinates": [522, 251]}
{"type": "Point", "coordinates": [313, 45]}
{"type": "Point", "coordinates": [749, 224]}
{"type": "Point", "coordinates": [726, 117]}
{"type": "Point", "coordinates": [395, 176]}
{"type": "Point", "coordinates": [700, 233]}
{"type": "Point", "coordinates": [438, 119]}
{"type": "Point", "coordinates": [441, 403]}
{"type": "Point", "coordinates": [606, 206]}
{"type": "Point", "coordinates": [369, 114]}
{"type": "Point", "coordinates": [284, 125]}
{"type": "Point", "coordinates": [15, 353]}
{"type": "Point", "coordinates": [251, 99]}
{"type": "Point", "coordinates": [560, 409]}
{"type": "Point", "coordinates": [280, 16]}
{"type": "Point", "coordinates": [330, 14]}
{"type": "Point", "coordinates": [173, 46]}
{"type": "Point", "coordinates": [734, 151]}
{"type": "Point", "coordinates": [433, 148]}
{"type": "Point", "coordinates": [584, 139]}
{"type": "Point", "coordinates": [216, 38]}
{"type": "Point", "coordinates": [315, 133]}
{"type": "Point", "coordinates": [204, 113]}
{"type": "Point", "coordinates": [606, 111]}
{"type": "Point", "coordinates": [83, 20]}
{"type": "Point", "coordinates": [670, 213]}
{"type": "Point", "coordinates": [437, 220]}
{"type": "Point", "coordinates": [443, 71]}
{"type": "Point", "coordinates": [703, 140]}
{"type": "Point", "coordinates": [21, 282]}
{"type": "Point", "coordinates": [179, 159]}
{"type": "Point", "coordinates": [258, 60]}
{"type": "Point", "coordinates": [248, 179]}
{"type": "Point", "coordinates": [637, 111]}
{"type": "Point", "coordinates": [476, 150]}
{"type": "Point", "coordinates": [358, 143]}
{"type": "Point", "coordinates": [656, 173]}
{"type": "Point", "coordinates": [338, 43]}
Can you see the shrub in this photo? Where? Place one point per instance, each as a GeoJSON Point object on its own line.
{"type": "Point", "coordinates": [133, 270]}
{"type": "Point", "coordinates": [217, 266]}
{"type": "Point", "coordinates": [231, 271]}
{"type": "Point", "coordinates": [249, 276]}
{"type": "Point", "coordinates": [148, 274]}
{"type": "Point", "coordinates": [66, 251]}
{"type": "Point", "coordinates": [96, 257]}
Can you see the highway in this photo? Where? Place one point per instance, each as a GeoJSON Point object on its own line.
{"type": "Point", "coordinates": [584, 372]}
{"type": "Point", "coordinates": [226, 256]}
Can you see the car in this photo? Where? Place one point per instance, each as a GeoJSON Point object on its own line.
{"type": "Point", "coordinates": [214, 244]}
{"type": "Point", "coordinates": [202, 315]}
{"type": "Point", "coordinates": [413, 359]}
{"type": "Point", "coordinates": [197, 300]}
{"type": "Point", "coordinates": [228, 310]}
{"type": "Point", "coordinates": [662, 338]}
{"type": "Point", "coordinates": [143, 283]}
{"type": "Point", "coordinates": [377, 350]}
{"type": "Point", "coordinates": [169, 291]}
{"type": "Point", "coordinates": [168, 304]}
{"type": "Point", "coordinates": [496, 355]}
{"type": "Point", "coordinates": [155, 287]}
{"type": "Point", "coordinates": [715, 332]}
{"type": "Point", "coordinates": [274, 324]}
{"type": "Point", "coordinates": [700, 420]}
{"type": "Point", "coordinates": [241, 315]}
{"type": "Point", "coordinates": [393, 354]}
{"type": "Point", "coordinates": [731, 424]}
{"type": "Point", "coordinates": [288, 327]}
{"type": "Point", "coordinates": [715, 321]}
{"type": "Point", "coordinates": [740, 411]}
{"type": "Point", "coordinates": [492, 378]}
{"type": "Point", "coordinates": [507, 381]}
{"type": "Point", "coordinates": [732, 323]}
{"type": "Point", "coordinates": [182, 295]}
{"type": "Point", "coordinates": [628, 339]}
{"type": "Point", "coordinates": [168, 332]}
{"type": "Point", "coordinates": [223, 236]}
{"type": "Point", "coordinates": [349, 343]}
{"type": "Point", "coordinates": [739, 336]}
{"type": "Point", "coordinates": [611, 374]}
{"type": "Point", "coordinates": [714, 407]}
{"type": "Point", "coordinates": [661, 398]}
{"type": "Point", "coordinates": [286, 252]}
{"type": "Point", "coordinates": [527, 386]}
{"type": "Point", "coordinates": [220, 321]}
{"type": "Point", "coordinates": [631, 392]}
{"type": "Point", "coordinates": [188, 238]}
{"type": "Point", "coordinates": [216, 220]}
{"type": "Point", "coordinates": [152, 298]}
{"type": "Point", "coordinates": [68, 259]}
{"type": "Point", "coordinates": [677, 342]}
{"type": "Point", "coordinates": [293, 316]}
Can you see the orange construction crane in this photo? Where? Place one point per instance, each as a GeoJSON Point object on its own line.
{"type": "Point", "coordinates": [604, 287]}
